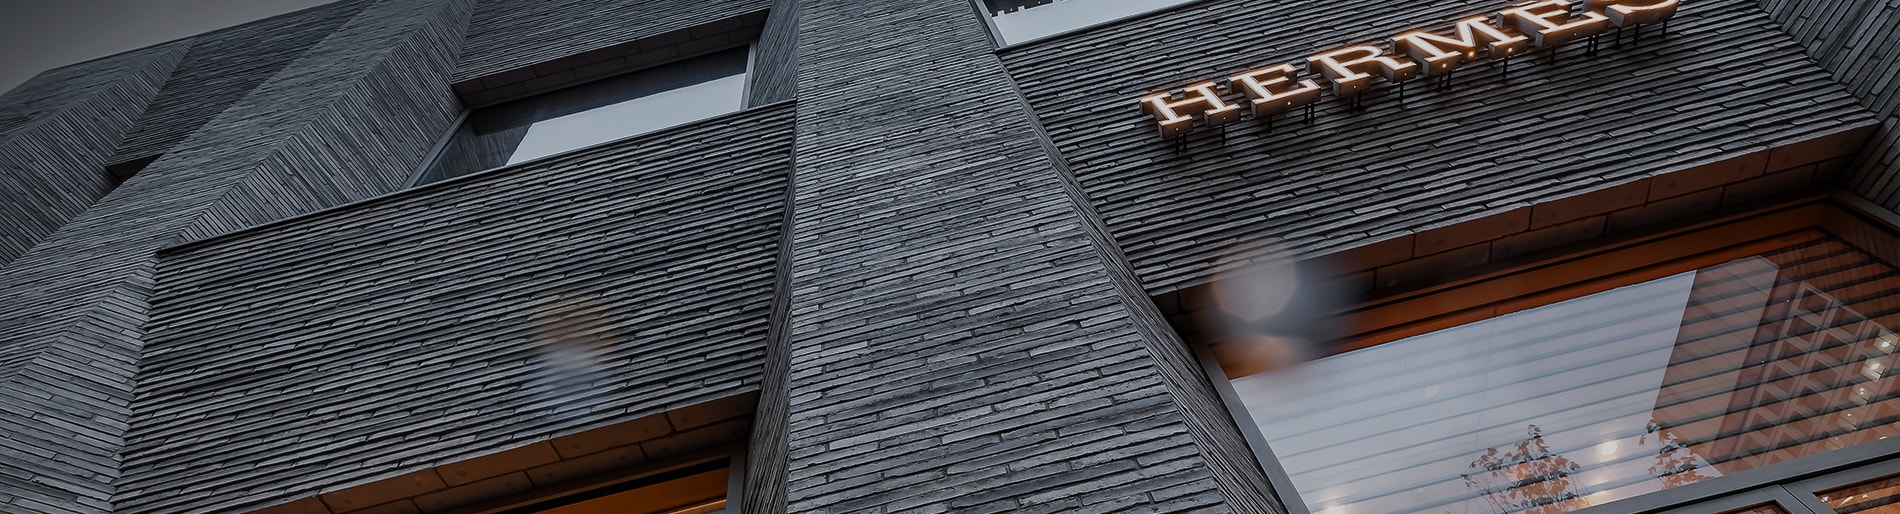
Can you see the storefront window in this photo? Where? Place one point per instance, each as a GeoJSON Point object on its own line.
{"type": "Point", "coordinates": [1024, 20]}
{"type": "Point", "coordinates": [1761, 357]}
{"type": "Point", "coordinates": [699, 489]}
{"type": "Point", "coordinates": [1879, 497]}
{"type": "Point", "coordinates": [594, 113]}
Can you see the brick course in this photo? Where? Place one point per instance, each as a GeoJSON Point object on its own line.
{"type": "Point", "coordinates": [1469, 152]}
{"type": "Point", "coordinates": [918, 274]}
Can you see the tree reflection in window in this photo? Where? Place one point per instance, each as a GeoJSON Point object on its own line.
{"type": "Point", "coordinates": [1650, 386]}
{"type": "Point", "coordinates": [1527, 477]}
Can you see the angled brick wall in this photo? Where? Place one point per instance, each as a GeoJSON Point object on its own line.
{"type": "Point", "coordinates": [768, 453]}
{"type": "Point", "coordinates": [775, 58]}
{"type": "Point", "coordinates": [956, 341]}
{"type": "Point", "coordinates": [938, 286]}
{"type": "Point", "coordinates": [410, 331]}
{"type": "Point", "coordinates": [56, 132]}
{"type": "Point", "coordinates": [543, 73]}
{"type": "Point", "coordinates": [373, 107]}
{"type": "Point", "coordinates": [1725, 82]}
{"type": "Point", "coordinates": [223, 67]}
{"type": "Point", "coordinates": [1858, 41]}
{"type": "Point", "coordinates": [509, 37]}
{"type": "Point", "coordinates": [74, 327]}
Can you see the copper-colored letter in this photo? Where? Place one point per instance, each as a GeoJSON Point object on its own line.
{"type": "Point", "coordinates": [1177, 116]}
{"type": "Point", "coordinates": [1347, 67]}
{"type": "Point", "coordinates": [1275, 91]}
{"type": "Point", "coordinates": [1550, 23]}
{"type": "Point", "coordinates": [1628, 13]}
{"type": "Point", "coordinates": [1442, 54]}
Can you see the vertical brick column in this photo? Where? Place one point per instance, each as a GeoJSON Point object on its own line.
{"type": "Point", "coordinates": [956, 341]}
{"type": "Point", "coordinates": [348, 119]}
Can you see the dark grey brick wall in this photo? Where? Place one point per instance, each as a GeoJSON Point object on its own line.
{"type": "Point", "coordinates": [957, 343]}
{"type": "Point", "coordinates": [1724, 83]}
{"type": "Point", "coordinates": [940, 309]}
{"type": "Point", "coordinates": [402, 333]}
{"type": "Point", "coordinates": [774, 78]}
{"type": "Point", "coordinates": [76, 302]}
{"type": "Point", "coordinates": [56, 133]}
{"type": "Point", "coordinates": [510, 36]}
{"type": "Point", "coordinates": [1858, 41]}
{"type": "Point", "coordinates": [375, 105]}
{"type": "Point", "coordinates": [223, 67]}
{"type": "Point", "coordinates": [1235, 467]}
{"type": "Point", "coordinates": [775, 58]}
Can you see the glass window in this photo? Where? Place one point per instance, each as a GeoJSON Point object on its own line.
{"type": "Point", "coordinates": [1877, 497]}
{"type": "Point", "coordinates": [1024, 20]}
{"type": "Point", "coordinates": [698, 489]}
{"type": "Point", "coordinates": [1732, 360]}
{"type": "Point", "coordinates": [594, 113]}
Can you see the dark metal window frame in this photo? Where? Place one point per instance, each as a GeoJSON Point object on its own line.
{"type": "Point", "coordinates": [733, 455]}
{"type": "Point", "coordinates": [745, 103]}
{"type": "Point", "coordinates": [1792, 485]}
{"type": "Point", "coordinates": [996, 35]}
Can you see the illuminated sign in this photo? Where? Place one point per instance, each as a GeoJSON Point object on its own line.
{"type": "Point", "coordinates": [1352, 70]}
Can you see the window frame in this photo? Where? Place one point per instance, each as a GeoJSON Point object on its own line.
{"type": "Point", "coordinates": [421, 170]}
{"type": "Point", "coordinates": [1001, 44]}
{"type": "Point", "coordinates": [1809, 491]}
{"type": "Point", "coordinates": [1792, 485]}
{"type": "Point", "coordinates": [734, 454]}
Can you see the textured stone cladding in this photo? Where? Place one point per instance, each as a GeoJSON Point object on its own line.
{"type": "Point", "coordinates": [393, 335]}
{"type": "Point", "coordinates": [224, 66]}
{"type": "Point", "coordinates": [350, 118]}
{"type": "Point", "coordinates": [56, 134]}
{"type": "Point", "coordinates": [1725, 82]}
{"type": "Point", "coordinates": [1859, 42]}
{"type": "Point", "coordinates": [956, 340]}
{"type": "Point", "coordinates": [774, 59]}
{"type": "Point", "coordinates": [508, 37]}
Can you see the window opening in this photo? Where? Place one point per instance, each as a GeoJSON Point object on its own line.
{"type": "Point", "coordinates": [117, 174]}
{"type": "Point", "coordinates": [594, 113]}
{"type": "Point", "coordinates": [1705, 364]}
{"type": "Point", "coordinates": [1876, 497]}
{"type": "Point", "coordinates": [1024, 20]}
{"type": "Point", "coordinates": [696, 489]}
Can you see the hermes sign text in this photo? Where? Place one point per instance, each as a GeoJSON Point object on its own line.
{"type": "Point", "coordinates": [1351, 70]}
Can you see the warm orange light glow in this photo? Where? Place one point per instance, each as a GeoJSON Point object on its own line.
{"type": "Point", "coordinates": [1350, 68]}
{"type": "Point", "coordinates": [1276, 90]}
{"type": "Point", "coordinates": [1625, 13]}
{"type": "Point", "coordinates": [1200, 100]}
{"type": "Point", "coordinates": [1549, 22]}
{"type": "Point", "coordinates": [1441, 54]}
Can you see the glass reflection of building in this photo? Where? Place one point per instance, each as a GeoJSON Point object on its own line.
{"type": "Point", "coordinates": [1650, 386]}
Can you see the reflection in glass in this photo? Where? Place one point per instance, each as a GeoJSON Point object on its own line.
{"type": "Point", "coordinates": [1764, 509]}
{"type": "Point", "coordinates": [1646, 387]}
{"type": "Point", "coordinates": [1023, 20]}
{"type": "Point", "coordinates": [594, 113]}
{"type": "Point", "coordinates": [1877, 497]}
{"type": "Point", "coordinates": [698, 489]}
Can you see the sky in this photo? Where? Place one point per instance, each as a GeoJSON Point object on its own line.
{"type": "Point", "coordinates": [37, 35]}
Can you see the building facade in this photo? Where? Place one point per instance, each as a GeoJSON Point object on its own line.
{"type": "Point", "coordinates": [995, 256]}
